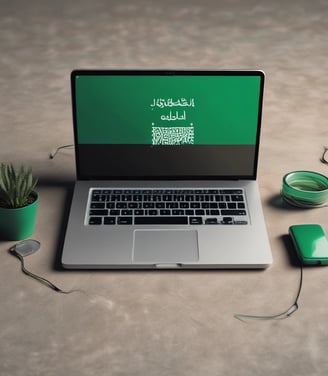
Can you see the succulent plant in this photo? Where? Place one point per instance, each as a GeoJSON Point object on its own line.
{"type": "Point", "coordinates": [16, 186]}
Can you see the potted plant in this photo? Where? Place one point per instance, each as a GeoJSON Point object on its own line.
{"type": "Point", "coordinates": [18, 202]}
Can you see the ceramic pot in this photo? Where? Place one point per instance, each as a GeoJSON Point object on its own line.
{"type": "Point", "coordinates": [18, 224]}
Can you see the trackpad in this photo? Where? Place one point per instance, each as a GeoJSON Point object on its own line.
{"type": "Point", "coordinates": [165, 246]}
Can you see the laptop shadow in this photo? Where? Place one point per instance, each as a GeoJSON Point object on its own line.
{"type": "Point", "coordinates": [67, 186]}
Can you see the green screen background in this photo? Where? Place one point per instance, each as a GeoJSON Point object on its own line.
{"type": "Point", "coordinates": [117, 109]}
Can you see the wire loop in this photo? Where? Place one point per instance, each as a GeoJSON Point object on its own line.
{"type": "Point", "coordinates": [280, 316]}
{"type": "Point", "coordinates": [305, 189]}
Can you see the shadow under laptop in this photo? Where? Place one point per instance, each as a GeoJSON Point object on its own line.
{"type": "Point", "coordinates": [67, 186]}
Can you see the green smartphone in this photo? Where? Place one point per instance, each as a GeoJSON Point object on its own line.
{"type": "Point", "coordinates": [311, 243]}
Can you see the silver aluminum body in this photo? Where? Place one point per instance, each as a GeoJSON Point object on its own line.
{"type": "Point", "coordinates": [197, 246]}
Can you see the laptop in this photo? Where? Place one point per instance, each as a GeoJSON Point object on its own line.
{"type": "Point", "coordinates": [166, 164]}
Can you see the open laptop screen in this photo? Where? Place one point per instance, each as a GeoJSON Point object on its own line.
{"type": "Point", "coordinates": [167, 124]}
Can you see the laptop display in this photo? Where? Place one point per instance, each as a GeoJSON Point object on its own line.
{"type": "Point", "coordinates": [209, 119]}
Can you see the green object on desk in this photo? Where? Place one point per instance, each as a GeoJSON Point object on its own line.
{"type": "Point", "coordinates": [18, 223]}
{"type": "Point", "coordinates": [311, 243]}
{"type": "Point", "coordinates": [305, 189]}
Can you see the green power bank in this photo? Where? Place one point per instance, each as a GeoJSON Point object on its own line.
{"type": "Point", "coordinates": [311, 243]}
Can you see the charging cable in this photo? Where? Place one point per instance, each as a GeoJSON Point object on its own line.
{"type": "Point", "coordinates": [28, 247]}
{"type": "Point", "coordinates": [305, 189]}
{"type": "Point", "coordinates": [323, 157]}
{"type": "Point", "coordinates": [280, 316]}
{"type": "Point", "coordinates": [56, 150]}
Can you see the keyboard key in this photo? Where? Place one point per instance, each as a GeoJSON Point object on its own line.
{"type": "Point", "coordinates": [196, 220]}
{"type": "Point", "coordinates": [126, 212]}
{"type": "Point", "coordinates": [233, 212]}
{"type": "Point", "coordinates": [227, 220]}
{"type": "Point", "coordinates": [237, 198]}
{"type": "Point", "coordinates": [177, 212]}
{"type": "Point", "coordinates": [114, 212]}
{"type": "Point", "coordinates": [95, 220]}
{"type": "Point", "coordinates": [109, 220]}
{"type": "Point", "coordinates": [161, 220]}
{"type": "Point", "coordinates": [106, 191]}
{"type": "Point", "coordinates": [148, 205]}
{"type": "Point", "coordinates": [133, 205]}
{"type": "Point", "coordinates": [121, 205]}
{"type": "Point", "coordinates": [184, 205]}
{"type": "Point", "coordinates": [211, 221]}
{"type": "Point", "coordinates": [102, 212]}
{"type": "Point", "coordinates": [126, 198]}
{"type": "Point", "coordinates": [97, 205]}
{"type": "Point", "coordinates": [96, 191]}
{"type": "Point", "coordinates": [124, 220]}
{"type": "Point", "coordinates": [231, 191]}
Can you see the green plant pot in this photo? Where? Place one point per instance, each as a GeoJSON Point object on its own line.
{"type": "Point", "coordinates": [18, 224]}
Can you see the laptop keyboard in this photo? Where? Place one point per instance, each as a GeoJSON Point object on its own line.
{"type": "Point", "coordinates": [166, 207]}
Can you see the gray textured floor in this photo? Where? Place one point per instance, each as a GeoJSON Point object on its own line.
{"type": "Point", "coordinates": [162, 323]}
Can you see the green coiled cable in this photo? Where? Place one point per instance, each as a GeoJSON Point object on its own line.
{"type": "Point", "coordinates": [305, 189]}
